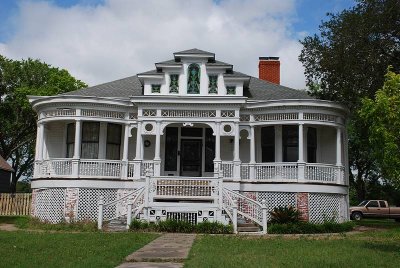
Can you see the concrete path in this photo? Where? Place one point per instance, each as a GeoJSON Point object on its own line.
{"type": "Point", "coordinates": [167, 251]}
{"type": "Point", "coordinates": [8, 227]}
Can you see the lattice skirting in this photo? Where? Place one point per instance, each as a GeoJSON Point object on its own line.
{"type": "Point", "coordinates": [316, 207]}
{"type": "Point", "coordinates": [55, 205]}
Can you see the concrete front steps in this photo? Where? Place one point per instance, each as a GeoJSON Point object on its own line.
{"type": "Point", "coordinates": [116, 225]}
{"type": "Point", "coordinates": [248, 228]}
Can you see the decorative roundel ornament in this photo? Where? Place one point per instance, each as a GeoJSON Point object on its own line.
{"type": "Point", "coordinates": [147, 143]}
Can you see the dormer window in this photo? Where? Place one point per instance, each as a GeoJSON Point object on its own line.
{"type": "Point", "coordinates": [174, 83]}
{"type": "Point", "coordinates": [230, 90]}
{"type": "Point", "coordinates": [155, 88]}
{"type": "Point", "coordinates": [193, 79]}
{"type": "Point", "coordinates": [213, 84]}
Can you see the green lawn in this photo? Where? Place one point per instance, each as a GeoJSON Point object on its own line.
{"type": "Point", "coordinates": [370, 249]}
{"type": "Point", "coordinates": [44, 249]}
{"type": "Point", "coordinates": [97, 249]}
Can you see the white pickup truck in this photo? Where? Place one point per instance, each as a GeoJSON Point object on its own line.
{"type": "Point", "coordinates": [374, 209]}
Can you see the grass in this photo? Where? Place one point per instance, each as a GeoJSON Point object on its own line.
{"type": "Point", "coordinates": [44, 249]}
{"type": "Point", "coordinates": [369, 249]}
{"type": "Point", "coordinates": [377, 248]}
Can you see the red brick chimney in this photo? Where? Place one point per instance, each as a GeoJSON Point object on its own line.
{"type": "Point", "coordinates": [269, 69]}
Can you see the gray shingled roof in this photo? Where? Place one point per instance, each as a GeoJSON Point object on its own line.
{"type": "Point", "coordinates": [122, 88]}
{"type": "Point", "coordinates": [254, 88]}
{"type": "Point", "coordinates": [170, 62]}
{"type": "Point", "coordinates": [235, 74]}
{"type": "Point", "coordinates": [131, 86]}
{"type": "Point", "coordinates": [263, 90]}
{"type": "Point", "coordinates": [152, 72]}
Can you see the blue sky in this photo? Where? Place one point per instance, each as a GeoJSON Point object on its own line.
{"type": "Point", "coordinates": [310, 12]}
{"type": "Point", "coordinates": [101, 40]}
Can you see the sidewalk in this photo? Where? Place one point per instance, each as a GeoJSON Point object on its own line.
{"type": "Point", "coordinates": [167, 251]}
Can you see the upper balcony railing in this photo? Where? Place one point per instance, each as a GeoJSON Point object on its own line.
{"type": "Point", "coordinates": [259, 172]}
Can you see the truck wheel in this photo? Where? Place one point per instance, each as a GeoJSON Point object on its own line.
{"type": "Point", "coordinates": [357, 216]}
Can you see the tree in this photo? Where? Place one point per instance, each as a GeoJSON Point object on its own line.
{"type": "Point", "coordinates": [382, 114]}
{"type": "Point", "coordinates": [346, 62]}
{"type": "Point", "coordinates": [17, 118]}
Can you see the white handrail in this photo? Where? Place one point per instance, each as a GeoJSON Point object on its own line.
{"type": "Point", "coordinates": [138, 193]}
{"type": "Point", "coordinates": [246, 207]}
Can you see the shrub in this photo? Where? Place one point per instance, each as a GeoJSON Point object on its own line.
{"type": "Point", "coordinates": [35, 223]}
{"type": "Point", "coordinates": [285, 215]}
{"type": "Point", "coordinates": [175, 226]}
{"type": "Point", "coordinates": [139, 225]}
{"type": "Point", "coordinates": [207, 227]}
{"type": "Point", "coordinates": [310, 228]}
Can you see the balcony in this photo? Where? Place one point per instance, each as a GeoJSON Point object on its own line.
{"type": "Point", "coordinates": [258, 172]}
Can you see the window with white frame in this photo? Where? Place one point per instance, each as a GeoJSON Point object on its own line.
{"type": "Point", "coordinates": [70, 140]}
{"type": "Point", "coordinates": [90, 140]}
{"type": "Point", "coordinates": [113, 149]}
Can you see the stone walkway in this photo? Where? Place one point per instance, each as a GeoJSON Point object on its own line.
{"type": "Point", "coordinates": [167, 251]}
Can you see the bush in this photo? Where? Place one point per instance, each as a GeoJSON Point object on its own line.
{"type": "Point", "coordinates": [35, 223]}
{"type": "Point", "coordinates": [285, 215]}
{"type": "Point", "coordinates": [310, 228]}
{"type": "Point", "coordinates": [175, 226]}
{"type": "Point", "coordinates": [207, 227]}
{"type": "Point", "coordinates": [139, 225]}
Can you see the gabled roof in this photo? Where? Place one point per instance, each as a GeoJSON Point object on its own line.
{"type": "Point", "coordinates": [4, 165]}
{"type": "Point", "coordinates": [254, 88]}
{"type": "Point", "coordinates": [195, 51]}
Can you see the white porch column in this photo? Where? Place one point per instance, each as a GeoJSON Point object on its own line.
{"type": "Point", "coordinates": [252, 153]}
{"type": "Point", "coordinates": [124, 167]}
{"type": "Point", "coordinates": [236, 156]}
{"type": "Point", "coordinates": [39, 149]}
{"type": "Point", "coordinates": [300, 163]}
{"type": "Point", "coordinates": [217, 159]}
{"type": "Point", "coordinates": [301, 143]}
{"type": "Point", "coordinates": [138, 156]}
{"type": "Point", "coordinates": [338, 147]}
{"type": "Point", "coordinates": [77, 148]}
{"type": "Point", "coordinates": [39, 141]}
{"type": "Point", "coordinates": [157, 158]}
{"type": "Point", "coordinates": [339, 164]}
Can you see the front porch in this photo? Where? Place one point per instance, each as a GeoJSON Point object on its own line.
{"type": "Point", "coordinates": [261, 172]}
{"type": "Point", "coordinates": [249, 153]}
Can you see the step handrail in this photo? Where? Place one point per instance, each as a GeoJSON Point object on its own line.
{"type": "Point", "coordinates": [138, 193]}
{"type": "Point", "coordinates": [239, 201]}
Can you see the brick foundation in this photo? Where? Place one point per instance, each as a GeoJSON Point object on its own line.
{"type": "Point", "coordinates": [302, 206]}
{"type": "Point", "coordinates": [71, 204]}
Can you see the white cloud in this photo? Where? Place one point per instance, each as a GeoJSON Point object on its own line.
{"type": "Point", "coordinates": [124, 37]}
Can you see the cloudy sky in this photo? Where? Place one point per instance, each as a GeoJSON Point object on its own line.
{"type": "Point", "coordinates": [103, 40]}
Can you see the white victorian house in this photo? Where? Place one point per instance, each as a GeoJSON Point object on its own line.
{"type": "Point", "coordinates": [192, 140]}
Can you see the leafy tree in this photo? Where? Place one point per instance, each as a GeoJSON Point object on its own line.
{"type": "Point", "coordinates": [17, 118]}
{"type": "Point", "coordinates": [346, 62]}
{"type": "Point", "coordinates": [382, 114]}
